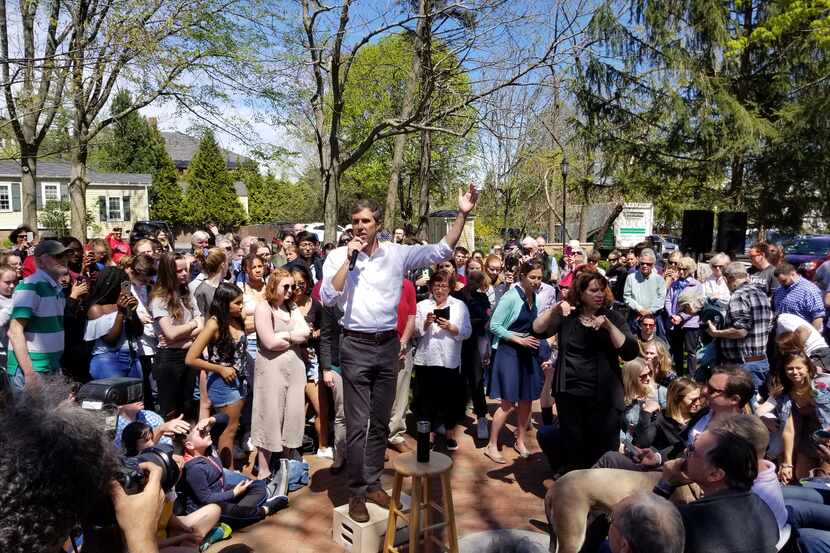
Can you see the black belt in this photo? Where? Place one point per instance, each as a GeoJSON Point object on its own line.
{"type": "Point", "coordinates": [376, 337]}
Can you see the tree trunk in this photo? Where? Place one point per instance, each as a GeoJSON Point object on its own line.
{"type": "Point", "coordinates": [424, 179]}
{"type": "Point", "coordinates": [28, 192]}
{"type": "Point", "coordinates": [551, 225]}
{"type": "Point", "coordinates": [583, 214]}
{"type": "Point", "coordinates": [400, 140]}
{"type": "Point", "coordinates": [608, 222]}
{"type": "Point", "coordinates": [77, 191]}
{"type": "Point", "coordinates": [331, 188]}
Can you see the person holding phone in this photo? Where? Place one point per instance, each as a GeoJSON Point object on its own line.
{"type": "Point", "coordinates": [113, 325]}
{"type": "Point", "coordinates": [442, 324]}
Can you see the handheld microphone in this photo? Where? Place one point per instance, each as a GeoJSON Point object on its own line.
{"type": "Point", "coordinates": [353, 260]}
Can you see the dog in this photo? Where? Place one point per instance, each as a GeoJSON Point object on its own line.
{"type": "Point", "coordinates": [571, 498]}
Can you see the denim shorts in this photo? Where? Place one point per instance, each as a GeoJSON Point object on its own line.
{"type": "Point", "coordinates": [221, 393]}
{"type": "Point", "coordinates": [312, 370]}
{"type": "Point", "coordinates": [109, 364]}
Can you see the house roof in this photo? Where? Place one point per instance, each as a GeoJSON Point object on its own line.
{"type": "Point", "coordinates": [62, 170]}
{"type": "Point", "coordinates": [238, 187]}
{"type": "Point", "coordinates": [182, 148]}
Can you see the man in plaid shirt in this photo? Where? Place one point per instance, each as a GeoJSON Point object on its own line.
{"type": "Point", "coordinates": [743, 340]}
{"type": "Point", "coordinates": [798, 296]}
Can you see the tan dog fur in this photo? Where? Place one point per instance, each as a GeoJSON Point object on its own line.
{"type": "Point", "coordinates": [570, 499]}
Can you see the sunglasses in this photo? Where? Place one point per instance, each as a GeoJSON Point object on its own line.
{"type": "Point", "coordinates": [645, 377]}
{"type": "Point", "coordinates": [287, 288]}
{"type": "Point", "coordinates": [644, 264]}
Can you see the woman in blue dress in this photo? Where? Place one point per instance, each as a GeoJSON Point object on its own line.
{"type": "Point", "coordinates": [516, 375]}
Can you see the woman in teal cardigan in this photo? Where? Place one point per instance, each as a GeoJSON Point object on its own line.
{"type": "Point", "coordinates": [516, 377]}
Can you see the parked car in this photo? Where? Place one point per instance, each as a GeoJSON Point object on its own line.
{"type": "Point", "coordinates": [807, 253]}
{"type": "Point", "coordinates": [320, 228]}
{"type": "Point", "coordinates": [664, 244]}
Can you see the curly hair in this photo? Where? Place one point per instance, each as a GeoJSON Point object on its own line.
{"type": "Point", "coordinates": [56, 463]}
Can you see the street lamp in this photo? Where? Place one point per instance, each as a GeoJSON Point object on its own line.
{"type": "Point", "coordinates": [564, 168]}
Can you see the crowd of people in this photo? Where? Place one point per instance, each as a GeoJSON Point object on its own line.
{"type": "Point", "coordinates": [250, 350]}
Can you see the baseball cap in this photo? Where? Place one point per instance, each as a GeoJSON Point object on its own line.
{"type": "Point", "coordinates": [50, 247]}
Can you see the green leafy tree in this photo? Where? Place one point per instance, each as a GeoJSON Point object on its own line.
{"type": "Point", "coordinates": [211, 197]}
{"type": "Point", "coordinates": [55, 217]}
{"type": "Point", "coordinates": [166, 198]}
{"type": "Point", "coordinates": [383, 69]}
{"type": "Point", "coordinates": [132, 146]}
{"type": "Point", "coordinates": [704, 103]}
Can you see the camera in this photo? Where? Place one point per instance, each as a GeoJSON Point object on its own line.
{"type": "Point", "coordinates": [132, 478]}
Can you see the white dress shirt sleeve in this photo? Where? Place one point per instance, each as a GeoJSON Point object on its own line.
{"type": "Point", "coordinates": [417, 257]}
{"type": "Point", "coordinates": [334, 260]}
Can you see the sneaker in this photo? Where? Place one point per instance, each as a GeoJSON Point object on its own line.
{"type": "Point", "coordinates": [482, 430]}
{"type": "Point", "coordinates": [325, 453]}
{"type": "Point", "coordinates": [219, 533]}
{"type": "Point", "coordinates": [277, 484]}
{"type": "Point", "coordinates": [452, 445]}
{"type": "Point", "coordinates": [276, 504]}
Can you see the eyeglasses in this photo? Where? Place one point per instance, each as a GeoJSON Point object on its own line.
{"type": "Point", "coordinates": [673, 263]}
{"type": "Point", "coordinates": [287, 288]}
{"type": "Point", "coordinates": [228, 249]}
{"type": "Point", "coordinates": [718, 266]}
{"type": "Point", "coordinates": [300, 285]}
{"type": "Point", "coordinates": [644, 264]}
{"type": "Point", "coordinates": [440, 286]}
{"type": "Point", "coordinates": [714, 391]}
{"type": "Point", "coordinates": [645, 377]}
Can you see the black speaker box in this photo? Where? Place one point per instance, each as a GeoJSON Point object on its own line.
{"type": "Point", "coordinates": [698, 230]}
{"type": "Point", "coordinates": [731, 232]}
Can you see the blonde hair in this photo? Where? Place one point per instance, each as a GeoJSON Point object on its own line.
{"type": "Point", "coordinates": [678, 390]}
{"type": "Point", "coordinates": [689, 264]}
{"type": "Point", "coordinates": [213, 261]}
{"type": "Point", "coordinates": [634, 389]}
{"type": "Point", "coordinates": [664, 361]}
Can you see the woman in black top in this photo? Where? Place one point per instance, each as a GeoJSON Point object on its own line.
{"type": "Point", "coordinates": [472, 361]}
{"type": "Point", "coordinates": [588, 383]}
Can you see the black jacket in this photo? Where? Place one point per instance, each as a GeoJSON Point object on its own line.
{"type": "Point", "coordinates": [329, 353]}
{"type": "Point", "coordinates": [661, 433]}
{"type": "Point", "coordinates": [729, 521]}
{"type": "Point", "coordinates": [609, 386]}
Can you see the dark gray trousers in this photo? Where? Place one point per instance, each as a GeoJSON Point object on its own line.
{"type": "Point", "coordinates": [369, 378]}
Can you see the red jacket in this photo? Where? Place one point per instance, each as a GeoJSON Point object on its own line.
{"type": "Point", "coordinates": [119, 248]}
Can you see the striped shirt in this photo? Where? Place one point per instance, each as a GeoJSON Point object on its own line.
{"type": "Point", "coordinates": [39, 300]}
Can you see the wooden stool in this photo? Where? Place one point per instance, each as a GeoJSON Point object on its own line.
{"type": "Point", "coordinates": [439, 465]}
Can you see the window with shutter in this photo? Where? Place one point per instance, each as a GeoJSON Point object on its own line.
{"type": "Point", "coordinates": [15, 196]}
{"type": "Point", "coordinates": [5, 196]}
{"type": "Point", "coordinates": [125, 207]}
{"type": "Point", "coordinates": [114, 212]}
{"type": "Point", "coordinates": [102, 209]}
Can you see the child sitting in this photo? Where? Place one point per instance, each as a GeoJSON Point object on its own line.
{"type": "Point", "coordinates": [243, 501]}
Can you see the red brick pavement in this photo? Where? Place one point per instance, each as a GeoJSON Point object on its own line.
{"type": "Point", "coordinates": [486, 496]}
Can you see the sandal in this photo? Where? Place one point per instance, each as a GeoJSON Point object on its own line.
{"type": "Point", "coordinates": [495, 457]}
{"type": "Point", "coordinates": [523, 453]}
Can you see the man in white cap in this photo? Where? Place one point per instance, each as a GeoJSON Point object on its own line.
{"type": "Point", "coordinates": [546, 295]}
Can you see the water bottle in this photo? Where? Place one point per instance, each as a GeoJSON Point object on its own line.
{"type": "Point", "coordinates": [423, 441]}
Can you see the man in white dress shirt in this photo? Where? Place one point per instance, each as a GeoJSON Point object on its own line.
{"type": "Point", "coordinates": [369, 296]}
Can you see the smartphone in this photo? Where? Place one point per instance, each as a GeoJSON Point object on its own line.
{"type": "Point", "coordinates": [821, 436]}
{"type": "Point", "coordinates": [442, 313]}
{"type": "Point", "coordinates": [126, 287]}
{"type": "Point", "coordinates": [30, 237]}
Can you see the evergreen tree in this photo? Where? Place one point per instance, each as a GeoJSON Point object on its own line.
{"type": "Point", "coordinates": [166, 198]}
{"type": "Point", "coordinates": [132, 147]}
{"type": "Point", "coordinates": [211, 196]}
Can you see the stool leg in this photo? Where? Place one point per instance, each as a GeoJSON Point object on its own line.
{"type": "Point", "coordinates": [415, 515]}
{"type": "Point", "coordinates": [392, 524]}
{"type": "Point", "coordinates": [446, 488]}
{"type": "Point", "coordinates": [427, 517]}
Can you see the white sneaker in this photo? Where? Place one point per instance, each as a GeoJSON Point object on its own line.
{"type": "Point", "coordinates": [482, 430]}
{"type": "Point", "coordinates": [325, 453]}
